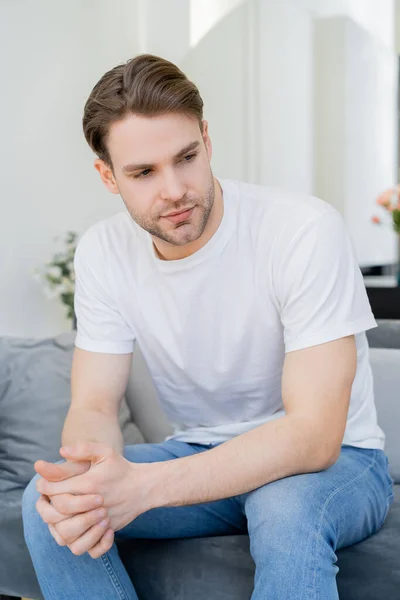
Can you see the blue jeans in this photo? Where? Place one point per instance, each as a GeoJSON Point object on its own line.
{"type": "Point", "coordinates": [295, 526]}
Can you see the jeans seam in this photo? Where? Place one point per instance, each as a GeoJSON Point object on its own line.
{"type": "Point", "coordinates": [388, 504]}
{"type": "Point", "coordinates": [113, 576]}
{"type": "Point", "coordinates": [334, 493]}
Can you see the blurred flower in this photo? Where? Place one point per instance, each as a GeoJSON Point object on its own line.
{"type": "Point", "coordinates": [58, 274]}
{"type": "Point", "coordinates": [390, 201]}
{"type": "Point", "coordinates": [385, 198]}
{"type": "Point", "coordinates": [50, 294]}
{"type": "Point", "coordinates": [54, 272]}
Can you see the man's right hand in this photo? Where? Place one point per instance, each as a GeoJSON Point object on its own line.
{"type": "Point", "coordinates": [85, 511]}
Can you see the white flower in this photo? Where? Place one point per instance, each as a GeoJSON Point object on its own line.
{"type": "Point", "coordinates": [50, 294]}
{"type": "Point", "coordinates": [67, 285]}
{"type": "Point", "coordinates": [54, 272]}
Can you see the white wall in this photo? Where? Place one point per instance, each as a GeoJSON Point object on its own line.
{"type": "Point", "coordinates": [164, 28]}
{"type": "Point", "coordinates": [285, 76]}
{"type": "Point", "coordinates": [356, 127]}
{"type": "Point", "coordinates": [257, 93]}
{"type": "Point", "coordinates": [375, 16]}
{"type": "Point", "coordinates": [205, 14]}
{"type": "Point", "coordinates": [52, 55]}
{"type": "Point", "coordinates": [397, 26]}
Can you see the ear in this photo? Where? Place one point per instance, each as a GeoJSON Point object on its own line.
{"type": "Point", "coordinates": [207, 140]}
{"type": "Point", "coordinates": [106, 175]}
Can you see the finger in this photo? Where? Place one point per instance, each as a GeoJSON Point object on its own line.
{"type": "Point", "coordinates": [72, 528]}
{"type": "Point", "coordinates": [48, 512]}
{"type": "Point", "coordinates": [59, 472]}
{"type": "Point", "coordinates": [104, 545]}
{"type": "Point", "coordinates": [68, 504]}
{"type": "Point", "coordinates": [57, 536]}
{"type": "Point", "coordinates": [80, 484]}
{"type": "Point", "coordinates": [95, 452]}
{"type": "Point", "coordinates": [89, 539]}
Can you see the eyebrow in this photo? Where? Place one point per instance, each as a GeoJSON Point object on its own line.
{"type": "Point", "coordinates": [144, 166]}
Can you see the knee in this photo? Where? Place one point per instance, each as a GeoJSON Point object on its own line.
{"type": "Point", "coordinates": [284, 509]}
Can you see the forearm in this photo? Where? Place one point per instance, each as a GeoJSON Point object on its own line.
{"type": "Point", "coordinates": [92, 426]}
{"type": "Point", "coordinates": [280, 448]}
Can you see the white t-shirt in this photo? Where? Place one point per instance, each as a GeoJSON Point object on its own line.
{"type": "Point", "coordinates": [278, 275]}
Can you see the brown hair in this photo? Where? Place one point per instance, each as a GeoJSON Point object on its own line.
{"type": "Point", "coordinates": [144, 85]}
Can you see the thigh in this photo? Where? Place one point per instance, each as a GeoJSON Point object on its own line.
{"type": "Point", "coordinates": [161, 451]}
{"type": "Point", "coordinates": [221, 517]}
{"type": "Point", "coordinates": [345, 503]}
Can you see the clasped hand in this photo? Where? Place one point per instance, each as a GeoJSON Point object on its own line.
{"type": "Point", "coordinates": [89, 497]}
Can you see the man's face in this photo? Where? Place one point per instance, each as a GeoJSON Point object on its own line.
{"type": "Point", "coordinates": [161, 166]}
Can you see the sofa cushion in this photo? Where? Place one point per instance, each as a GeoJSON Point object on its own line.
{"type": "Point", "coordinates": [386, 335]}
{"type": "Point", "coordinates": [34, 401]}
{"type": "Point", "coordinates": [385, 364]}
{"type": "Point", "coordinates": [142, 399]}
{"type": "Point", "coordinates": [17, 575]}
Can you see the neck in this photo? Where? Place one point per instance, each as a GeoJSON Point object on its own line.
{"type": "Point", "coordinates": [167, 251]}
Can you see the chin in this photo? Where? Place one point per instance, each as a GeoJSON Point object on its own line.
{"type": "Point", "coordinates": [182, 239]}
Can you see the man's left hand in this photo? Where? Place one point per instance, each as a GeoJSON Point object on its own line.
{"type": "Point", "coordinates": [124, 486]}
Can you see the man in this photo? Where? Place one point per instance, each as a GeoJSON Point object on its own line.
{"type": "Point", "coordinates": [250, 311]}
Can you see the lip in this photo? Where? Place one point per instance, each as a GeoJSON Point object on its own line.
{"type": "Point", "coordinates": [179, 216]}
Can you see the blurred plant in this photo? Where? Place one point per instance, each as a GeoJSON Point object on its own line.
{"type": "Point", "coordinates": [58, 274]}
{"type": "Point", "coordinates": [390, 201]}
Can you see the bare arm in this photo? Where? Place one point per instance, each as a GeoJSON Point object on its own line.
{"type": "Point", "coordinates": [316, 390]}
{"type": "Point", "coordinates": [98, 383]}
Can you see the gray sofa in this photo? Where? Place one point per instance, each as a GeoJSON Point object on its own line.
{"type": "Point", "coordinates": [34, 397]}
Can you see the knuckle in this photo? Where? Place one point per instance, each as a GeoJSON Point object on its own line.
{"type": "Point", "coordinates": [82, 447]}
{"type": "Point", "coordinates": [75, 551]}
{"type": "Point", "coordinates": [108, 542]}
{"type": "Point", "coordinates": [62, 532]}
{"type": "Point", "coordinates": [60, 541]}
{"type": "Point", "coordinates": [57, 503]}
{"type": "Point", "coordinates": [93, 517]}
{"type": "Point", "coordinates": [64, 503]}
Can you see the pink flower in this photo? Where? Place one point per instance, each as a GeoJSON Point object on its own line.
{"type": "Point", "coordinates": [385, 198]}
{"type": "Point", "coordinates": [376, 219]}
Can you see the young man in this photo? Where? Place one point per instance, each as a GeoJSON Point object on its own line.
{"type": "Point", "coordinates": [250, 311]}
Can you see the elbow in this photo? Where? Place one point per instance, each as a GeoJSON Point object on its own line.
{"type": "Point", "coordinates": [330, 459]}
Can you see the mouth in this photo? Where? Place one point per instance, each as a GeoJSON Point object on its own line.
{"type": "Point", "coordinates": [178, 217]}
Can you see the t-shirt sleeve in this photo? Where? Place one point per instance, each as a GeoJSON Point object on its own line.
{"type": "Point", "coordinates": [320, 287]}
{"type": "Point", "coordinates": [100, 326]}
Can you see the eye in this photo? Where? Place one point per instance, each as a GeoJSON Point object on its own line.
{"type": "Point", "coordinates": [142, 174]}
{"type": "Point", "coordinates": [189, 157]}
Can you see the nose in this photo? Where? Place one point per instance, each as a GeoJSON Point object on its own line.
{"type": "Point", "coordinates": [172, 187]}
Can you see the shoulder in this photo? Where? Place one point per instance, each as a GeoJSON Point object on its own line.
{"type": "Point", "coordinates": [280, 201]}
{"type": "Point", "coordinates": [111, 233]}
{"type": "Point", "coordinates": [278, 211]}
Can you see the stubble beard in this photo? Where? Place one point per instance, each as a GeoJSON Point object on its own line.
{"type": "Point", "coordinates": [187, 231]}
